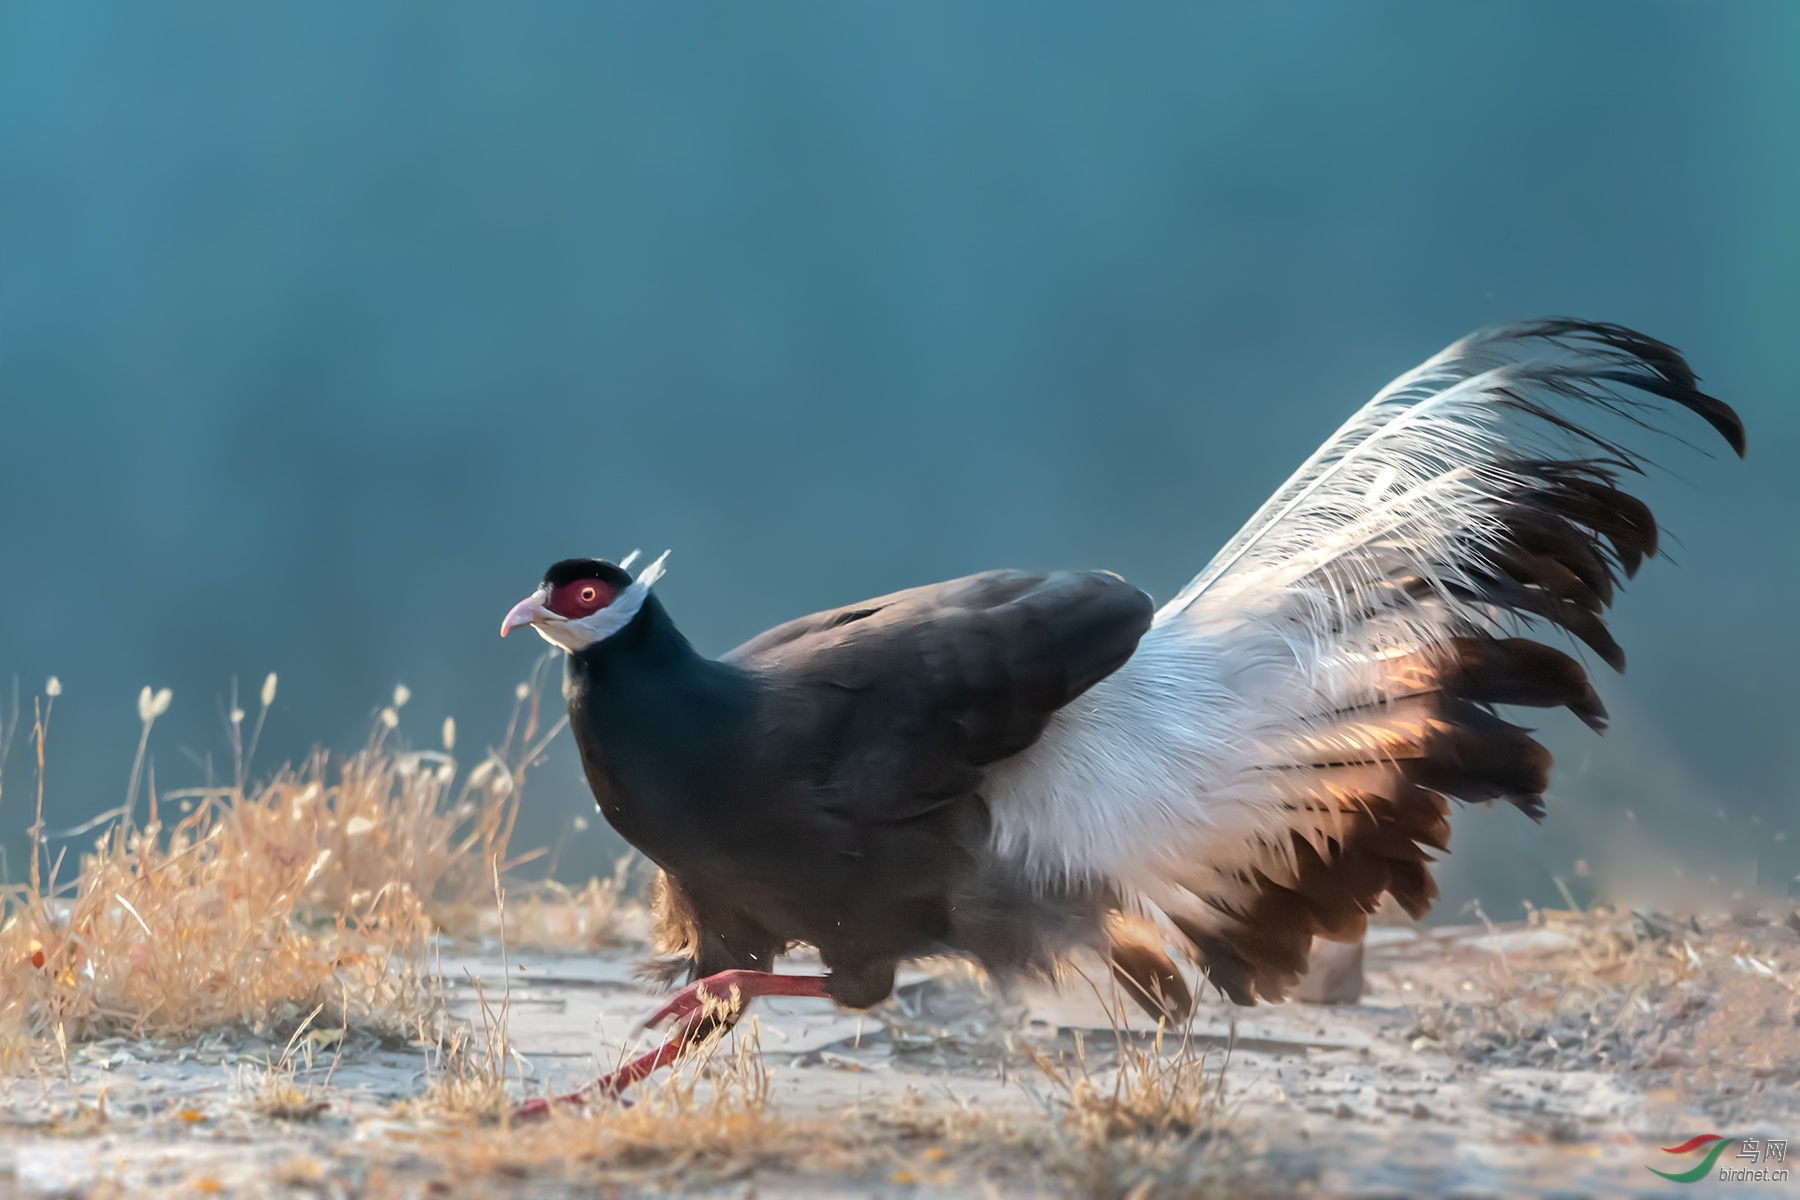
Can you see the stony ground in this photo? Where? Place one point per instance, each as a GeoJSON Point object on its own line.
{"type": "Point", "coordinates": [1549, 1059]}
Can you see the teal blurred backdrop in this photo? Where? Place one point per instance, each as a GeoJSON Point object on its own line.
{"type": "Point", "coordinates": [325, 327]}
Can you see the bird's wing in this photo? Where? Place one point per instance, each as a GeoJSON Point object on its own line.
{"type": "Point", "coordinates": [1282, 748]}
{"type": "Point", "coordinates": [896, 705]}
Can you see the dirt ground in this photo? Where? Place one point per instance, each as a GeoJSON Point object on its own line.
{"type": "Point", "coordinates": [1552, 1058]}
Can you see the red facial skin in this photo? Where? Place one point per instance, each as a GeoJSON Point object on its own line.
{"type": "Point", "coordinates": [581, 598]}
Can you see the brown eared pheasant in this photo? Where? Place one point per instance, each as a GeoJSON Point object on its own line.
{"type": "Point", "coordinates": [1012, 765]}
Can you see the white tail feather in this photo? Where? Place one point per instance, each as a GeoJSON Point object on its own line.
{"type": "Point", "coordinates": [1172, 778]}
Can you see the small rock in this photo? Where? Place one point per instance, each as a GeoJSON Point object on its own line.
{"type": "Point", "coordinates": [1420, 1112]}
{"type": "Point", "coordinates": [1343, 1112]}
{"type": "Point", "coordinates": [1334, 974]}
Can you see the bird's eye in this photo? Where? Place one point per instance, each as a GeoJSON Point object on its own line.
{"type": "Point", "coordinates": [587, 595]}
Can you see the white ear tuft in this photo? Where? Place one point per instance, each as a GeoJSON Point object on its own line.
{"type": "Point", "coordinates": [625, 563]}
{"type": "Point", "coordinates": [654, 571]}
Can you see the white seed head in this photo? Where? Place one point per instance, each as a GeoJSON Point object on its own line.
{"type": "Point", "coordinates": [268, 692]}
{"type": "Point", "coordinates": [389, 717]}
{"type": "Point", "coordinates": [482, 770]}
{"type": "Point", "coordinates": [357, 826]}
{"type": "Point", "coordinates": [402, 694]}
{"type": "Point", "coordinates": [580, 824]}
{"type": "Point", "coordinates": [449, 733]}
{"type": "Point", "coordinates": [53, 686]}
{"type": "Point", "coordinates": [446, 772]}
{"type": "Point", "coordinates": [522, 691]}
{"type": "Point", "coordinates": [503, 785]}
{"type": "Point", "coordinates": [237, 716]}
{"type": "Point", "coordinates": [152, 705]}
{"type": "Point", "coordinates": [408, 765]}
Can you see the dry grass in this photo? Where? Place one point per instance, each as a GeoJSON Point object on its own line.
{"type": "Point", "coordinates": [706, 1119]}
{"type": "Point", "coordinates": [1597, 1002]}
{"type": "Point", "coordinates": [1151, 1123]}
{"type": "Point", "coordinates": [555, 916]}
{"type": "Point", "coordinates": [465, 1068]}
{"type": "Point", "coordinates": [249, 906]}
{"type": "Point", "coordinates": [284, 1088]}
{"type": "Point", "coordinates": [1627, 991]}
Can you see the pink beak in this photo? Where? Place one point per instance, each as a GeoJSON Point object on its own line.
{"type": "Point", "coordinates": [525, 612]}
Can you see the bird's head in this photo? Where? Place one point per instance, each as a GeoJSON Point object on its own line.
{"type": "Point", "coordinates": [583, 601]}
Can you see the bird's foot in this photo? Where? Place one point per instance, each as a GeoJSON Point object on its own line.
{"type": "Point", "coordinates": [732, 989]}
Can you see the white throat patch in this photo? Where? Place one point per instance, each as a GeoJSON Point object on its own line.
{"type": "Point", "coordinates": [577, 635]}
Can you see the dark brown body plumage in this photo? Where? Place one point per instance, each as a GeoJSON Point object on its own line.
{"type": "Point", "coordinates": [821, 783]}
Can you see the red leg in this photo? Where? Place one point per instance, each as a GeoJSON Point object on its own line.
{"type": "Point", "coordinates": [690, 1004]}
{"type": "Point", "coordinates": [749, 985]}
{"type": "Point", "coordinates": [617, 1081]}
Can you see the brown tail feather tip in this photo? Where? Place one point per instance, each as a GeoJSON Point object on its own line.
{"type": "Point", "coordinates": [1258, 948]}
{"type": "Point", "coordinates": [1519, 671]}
{"type": "Point", "coordinates": [1151, 979]}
